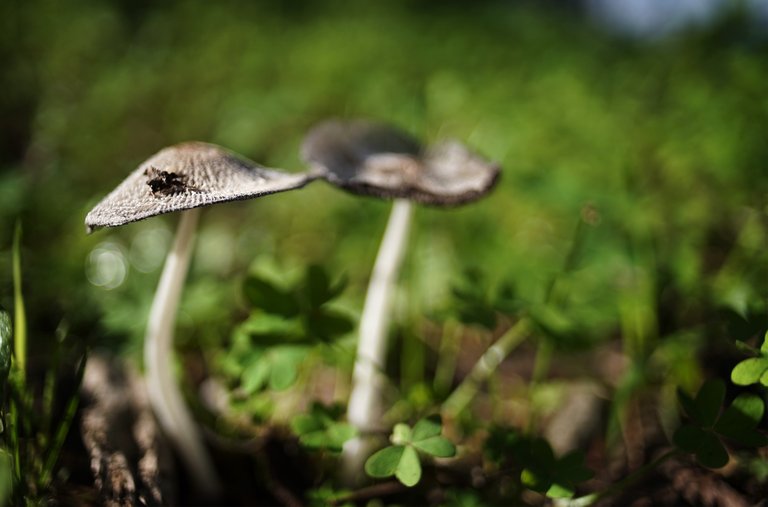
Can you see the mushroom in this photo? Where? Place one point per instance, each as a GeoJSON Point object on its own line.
{"type": "Point", "coordinates": [373, 159]}
{"type": "Point", "coordinates": [184, 177]}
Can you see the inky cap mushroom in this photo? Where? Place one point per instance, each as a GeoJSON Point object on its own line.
{"type": "Point", "coordinates": [373, 159]}
{"type": "Point", "coordinates": [180, 178]}
{"type": "Point", "coordinates": [184, 176]}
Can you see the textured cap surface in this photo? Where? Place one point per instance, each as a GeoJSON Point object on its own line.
{"type": "Point", "coordinates": [184, 176]}
{"type": "Point", "coordinates": [374, 159]}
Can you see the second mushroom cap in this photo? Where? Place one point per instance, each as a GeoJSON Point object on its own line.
{"type": "Point", "coordinates": [374, 159]}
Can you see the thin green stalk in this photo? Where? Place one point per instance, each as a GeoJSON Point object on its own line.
{"type": "Point", "coordinates": [13, 437]}
{"type": "Point", "coordinates": [54, 451]}
{"type": "Point", "coordinates": [412, 362]}
{"type": "Point", "coordinates": [623, 484]}
{"type": "Point", "coordinates": [485, 366]}
{"type": "Point", "coordinates": [49, 391]}
{"type": "Point", "coordinates": [546, 347]}
{"type": "Point", "coordinates": [489, 361]}
{"type": "Point", "coordinates": [447, 358]}
{"type": "Point", "coordinates": [541, 364]}
{"type": "Point", "coordinates": [20, 320]}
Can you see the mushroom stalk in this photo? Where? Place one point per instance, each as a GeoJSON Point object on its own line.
{"type": "Point", "coordinates": [365, 405]}
{"type": "Point", "coordinates": [164, 394]}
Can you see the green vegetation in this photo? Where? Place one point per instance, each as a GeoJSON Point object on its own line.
{"type": "Point", "coordinates": [624, 248]}
{"type": "Point", "coordinates": [33, 426]}
{"type": "Point", "coordinates": [401, 459]}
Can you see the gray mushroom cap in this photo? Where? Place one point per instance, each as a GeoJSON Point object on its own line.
{"type": "Point", "coordinates": [184, 176]}
{"type": "Point", "coordinates": [374, 159]}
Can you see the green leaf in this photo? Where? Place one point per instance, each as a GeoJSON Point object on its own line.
{"type": "Point", "coordinates": [478, 314]}
{"type": "Point", "coordinates": [315, 440]}
{"type": "Point", "coordinates": [541, 453]}
{"type": "Point", "coordinates": [572, 467]}
{"type": "Point", "coordinates": [267, 329]}
{"type": "Point", "coordinates": [338, 434]}
{"type": "Point", "coordinates": [327, 325]}
{"type": "Point", "coordinates": [764, 348]}
{"type": "Point", "coordinates": [438, 446]}
{"type": "Point", "coordinates": [688, 437]}
{"type": "Point", "coordinates": [409, 469]}
{"type": "Point", "coordinates": [689, 406]}
{"type": "Point", "coordinates": [739, 420]}
{"type": "Point", "coordinates": [317, 286]}
{"type": "Point", "coordinates": [401, 434]}
{"type": "Point", "coordinates": [764, 379]}
{"type": "Point", "coordinates": [384, 462]}
{"type": "Point", "coordinates": [552, 321]}
{"type": "Point", "coordinates": [6, 346]}
{"type": "Point", "coordinates": [711, 452]}
{"type": "Point", "coordinates": [332, 438]}
{"type": "Point", "coordinates": [704, 444]}
{"type": "Point", "coordinates": [6, 476]}
{"type": "Point", "coordinates": [255, 375]}
{"type": "Point", "coordinates": [402, 461]}
{"type": "Point", "coordinates": [266, 296]}
{"type": "Point", "coordinates": [709, 400]}
{"type": "Point", "coordinates": [535, 479]}
{"type": "Point", "coordinates": [749, 371]}
{"type": "Point", "coordinates": [471, 300]}
{"type": "Point", "coordinates": [749, 407]}
{"type": "Point", "coordinates": [506, 299]}
{"type": "Point", "coordinates": [428, 427]}
{"type": "Point", "coordinates": [306, 423]}
{"type": "Point", "coordinates": [283, 368]}
{"type": "Point", "coordinates": [558, 490]}
{"type": "Point", "coordinates": [319, 429]}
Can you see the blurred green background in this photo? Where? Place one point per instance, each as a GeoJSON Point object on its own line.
{"type": "Point", "coordinates": [664, 141]}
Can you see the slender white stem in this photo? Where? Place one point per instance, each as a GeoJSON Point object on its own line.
{"type": "Point", "coordinates": [164, 393]}
{"type": "Point", "coordinates": [365, 403]}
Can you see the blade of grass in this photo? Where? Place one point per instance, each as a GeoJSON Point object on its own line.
{"type": "Point", "coordinates": [54, 451]}
{"type": "Point", "coordinates": [49, 392]}
{"type": "Point", "coordinates": [20, 320]}
{"type": "Point", "coordinates": [19, 403]}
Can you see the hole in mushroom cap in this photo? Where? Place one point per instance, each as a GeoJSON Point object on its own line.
{"type": "Point", "coordinates": [165, 182]}
{"type": "Point", "coordinates": [106, 266]}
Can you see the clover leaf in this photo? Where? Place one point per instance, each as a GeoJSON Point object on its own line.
{"type": "Point", "coordinates": [286, 320]}
{"type": "Point", "coordinates": [276, 367]}
{"type": "Point", "coordinates": [296, 312]}
{"type": "Point", "coordinates": [703, 435]}
{"type": "Point", "coordinates": [541, 470]}
{"type": "Point", "coordinates": [269, 297]}
{"type": "Point", "coordinates": [476, 302]}
{"type": "Point", "coordinates": [754, 369]}
{"type": "Point", "coordinates": [402, 458]}
{"type": "Point", "coordinates": [544, 472]}
{"type": "Point", "coordinates": [320, 428]}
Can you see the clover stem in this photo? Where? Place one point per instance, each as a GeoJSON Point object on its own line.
{"type": "Point", "coordinates": [365, 404]}
{"type": "Point", "coordinates": [164, 394]}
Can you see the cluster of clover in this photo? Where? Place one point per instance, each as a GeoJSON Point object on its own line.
{"type": "Point", "coordinates": [362, 157]}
